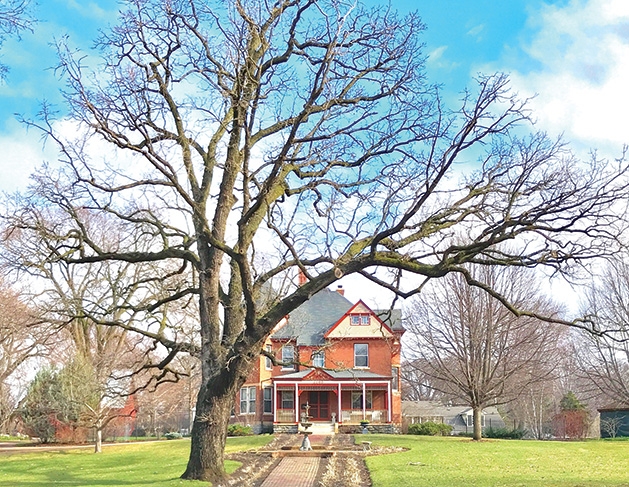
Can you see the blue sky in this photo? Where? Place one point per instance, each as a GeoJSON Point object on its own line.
{"type": "Point", "coordinates": [574, 54]}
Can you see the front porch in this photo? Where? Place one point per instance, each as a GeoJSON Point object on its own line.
{"type": "Point", "coordinates": [341, 402]}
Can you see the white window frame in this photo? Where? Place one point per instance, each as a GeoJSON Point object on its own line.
{"type": "Point", "coordinates": [357, 398]}
{"type": "Point", "coordinates": [469, 420]}
{"type": "Point", "coordinates": [287, 358]}
{"type": "Point", "coordinates": [267, 401]}
{"type": "Point", "coordinates": [248, 400]}
{"type": "Point", "coordinates": [252, 400]}
{"type": "Point", "coordinates": [359, 319]}
{"type": "Point", "coordinates": [318, 359]}
{"type": "Point", "coordinates": [366, 356]}
{"type": "Point", "coordinates": [285, 396]}
{"type": "Point", "coordinates": [268, 363]}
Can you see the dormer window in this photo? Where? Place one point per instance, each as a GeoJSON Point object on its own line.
{"type": "Point", "coordinates": [288, 357]}
{"type": "Point", "coordinates": [359, 319]}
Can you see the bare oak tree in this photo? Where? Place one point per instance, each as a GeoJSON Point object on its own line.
{"type": "Point", "coordinates": [473, 348]}
{"type": "Point", "coordinates": [245, 140]}
{"type": "Point", "coordinates": [81, 301]}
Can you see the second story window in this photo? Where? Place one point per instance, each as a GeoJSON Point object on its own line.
{"type": "Point", "coordinates": [318, 359]}
{"type": "Point", "coordinates": [268, 363]}
{"type": "Point", "coordinates": [361, 355]}
{"type": "Point", "coordinates": [288, 357]}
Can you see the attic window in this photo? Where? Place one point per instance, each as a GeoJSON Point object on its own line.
{"type": "Point", "coordinates": [360, 319]}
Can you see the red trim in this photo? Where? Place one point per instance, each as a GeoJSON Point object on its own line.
{"type": "Point", "coordinates": [382, 323]}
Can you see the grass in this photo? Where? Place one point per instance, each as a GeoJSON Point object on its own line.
{"type": "Point", "coordinates": [157, 464]}
{"type": "Point", "coordinates": [450, 461]}
{"type": "Point", "coordinates": [429, 462]}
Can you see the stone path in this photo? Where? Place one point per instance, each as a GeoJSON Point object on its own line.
{"type": "Point", "coordinates": [294, 472]}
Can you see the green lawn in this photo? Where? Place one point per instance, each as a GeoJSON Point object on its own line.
{"type": "Point", "coordinates": [448, 462]}
{"type": "Point", "coordinates": [430, 462]}
{"type": "Point", "coordinates": [157, 464]}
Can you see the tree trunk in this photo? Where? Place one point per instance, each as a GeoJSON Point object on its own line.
{"type": "Point", "coordinates": [209, 433]}
{"type": "Point", "coordinates": [478, 426]}
{"type": "Point", "coordinates": [98, 446]}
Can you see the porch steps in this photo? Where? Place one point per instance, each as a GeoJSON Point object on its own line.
{"type": "Point", "coordinates": [322, 428]}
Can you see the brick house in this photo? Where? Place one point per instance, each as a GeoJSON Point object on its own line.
{"type": "Point", "coordinates": [340, 358]}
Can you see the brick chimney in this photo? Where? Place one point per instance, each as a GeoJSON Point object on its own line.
{"type": "Point", "coordinates": [340, 290]}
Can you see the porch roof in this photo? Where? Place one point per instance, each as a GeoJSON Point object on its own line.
{"type": "Point", "coordinates": [334, 375]}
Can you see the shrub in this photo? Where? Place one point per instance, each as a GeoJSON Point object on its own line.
{"type": "Point", "coordinates": [173, 435]}
{"type": "Point", "coordinates": [238, 429]}
{"type": "Point", "coordinates": [430, 429]}
{"type": "Point", "coordinates": [504, 433]}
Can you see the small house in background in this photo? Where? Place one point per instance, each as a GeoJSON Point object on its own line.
{"type": "Point", "coordinates": [614, 421]}
{"type": "Point", "coordinates": [341, 359]}
{"type": "Point", "coordinates": [461, 418]}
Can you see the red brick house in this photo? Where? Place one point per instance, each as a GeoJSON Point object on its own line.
{"type": "Point", "coordinates": [340, 358]}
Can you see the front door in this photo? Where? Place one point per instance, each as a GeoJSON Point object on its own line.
{"type": "Point", "coordinates": [319, 405]}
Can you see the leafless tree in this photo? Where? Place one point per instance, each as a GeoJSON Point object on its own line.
{"type": "Point", "coordinates": [416, 385]}
{"type": "Point", "coordinates": [611, 425]}
{"type": "Point", "coordinates": [603, 359]}
{"type": "Point", "coordinates": [22, 338]}
{"type": "Point", "coordinates": [80, 301]}
{"type": "Point", "coordinates": [473, 348]}
{"type": "Point", "coordinates": [245, 141]}
{"type": "Point", "coordinates": [16, 16]}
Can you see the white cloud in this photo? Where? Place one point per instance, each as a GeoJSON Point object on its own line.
{"type": "Point", "coordinates": [476, 31]}
{"type": "Point", "coordinates": [581, 74]}
{"type": "Point", "coordinates": [22, 152]}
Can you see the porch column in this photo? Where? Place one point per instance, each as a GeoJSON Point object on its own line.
{"type": "Point", "coordinates": [364, 402]}
{"type": "Point", "coordinates": [389, 401]}
{"type": "Point", "coordinates": [274, 402]}
{"type": "Point", "coordinates": [338, 414]}
{"type": "Point", "coordinates": [296, 402]}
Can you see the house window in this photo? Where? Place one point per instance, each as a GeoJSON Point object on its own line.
{"type": "Point", "coordinates": [268, 399]}
{"type": "Point", "coordinates": [288, 399]}
{"type": "Point", "coordinates": [318, 359]}
{"type": "Point", "coordinates": [268, 363]}
{"type": "Point", "coordinates": [248, 400]}
{"type": "Point", "coordinates": [357, 319]}
{"type": "Point", "coordinates": [469, 420]}
{"type": "Point", "coordinates": [361, 355]}
{"type": "Point", "coordinates": [357, 400]}
{"type": "Point", "coordinates": [288, 357]}
{"type": "Point", "coordinates": [395, 378]}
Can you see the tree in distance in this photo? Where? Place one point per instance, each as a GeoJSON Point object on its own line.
{"type": "Point", "coordinates": [237, 143]}
{"type": "Point", "coordinates": [603, 358]}
{"type": "Point", "coordinates": [472, 348]}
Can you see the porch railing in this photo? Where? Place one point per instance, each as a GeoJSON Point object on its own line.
{"type": "Point", "coordinates": [285, 415]}
{"type": "Point", "coordinates": [371, 415]}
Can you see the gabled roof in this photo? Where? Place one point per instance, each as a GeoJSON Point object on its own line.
{"type": "Point", "coordinates": [308, 323]}
{"type": "Point", "coordinates": [436, 408]}
{"type": "Point", "coordinates": [312, 319]}
{"type": "Point", "coordinates": [361, 306]}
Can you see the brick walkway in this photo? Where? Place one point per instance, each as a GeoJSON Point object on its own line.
{"type": "Point", "coordinates": [293, 472]}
